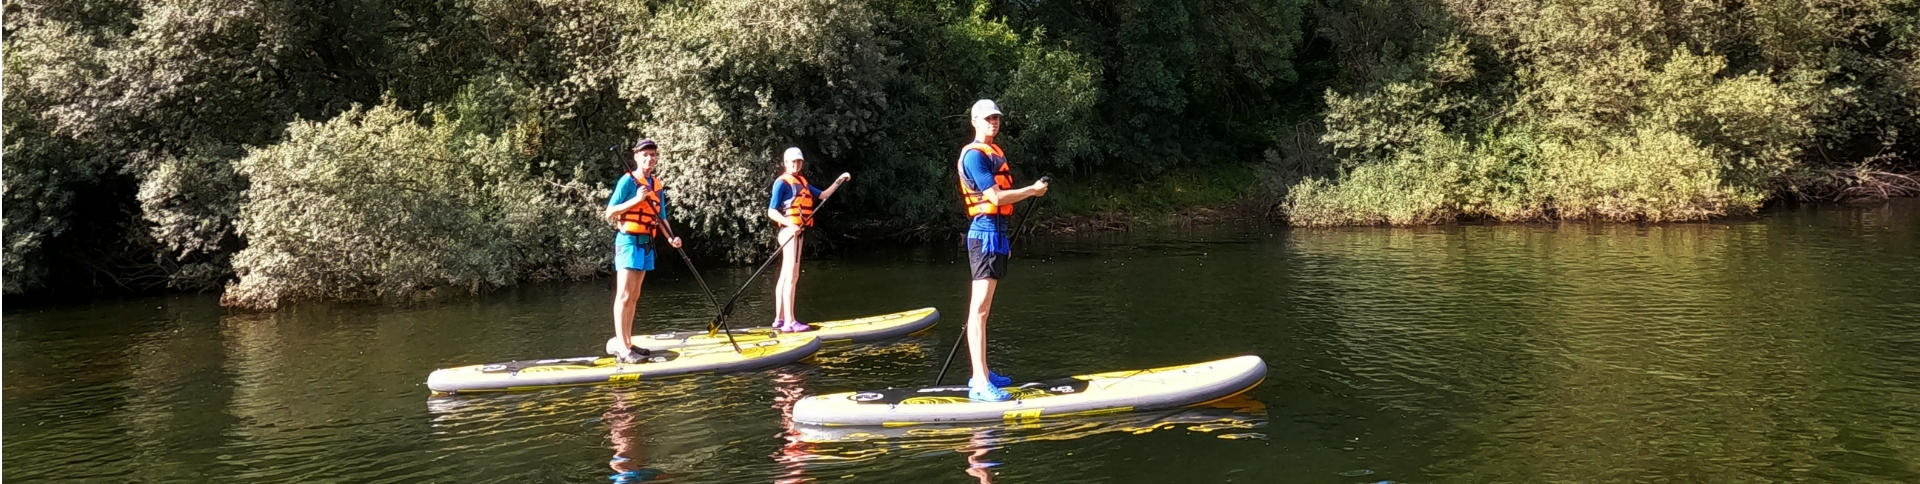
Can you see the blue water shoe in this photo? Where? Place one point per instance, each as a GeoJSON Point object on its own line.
{"type": "Point", "coordinates": [999, 380]}
{"type": "Point", "coordinates": [983, 391]}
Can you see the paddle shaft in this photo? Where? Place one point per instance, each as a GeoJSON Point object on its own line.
{"type": "Point", "coordinates": [963, 332]}
{"type": "Point", "coordinates": [702, 281]}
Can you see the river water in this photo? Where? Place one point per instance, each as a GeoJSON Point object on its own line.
{"type": "Point", "coordinates": [1781, 348]}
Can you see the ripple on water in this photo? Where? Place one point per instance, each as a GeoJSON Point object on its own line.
{"type": "Point", "coordinates": [1782, 349]}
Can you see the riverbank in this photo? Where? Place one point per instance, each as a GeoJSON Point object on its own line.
{"type": "Point", "coordinates": [1184, 197]}
{"type": "Point", "coordinates": [1236, 194]}
{"type": "Point", "coordinates": [1199, 197]}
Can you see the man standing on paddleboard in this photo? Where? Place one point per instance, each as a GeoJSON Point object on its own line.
{"type": "Point", "coordinates": [791, 208]}
{"type": "Point", "coordinates": [638, 208]}
{"type": "Point", "coordinates": [986, 186]}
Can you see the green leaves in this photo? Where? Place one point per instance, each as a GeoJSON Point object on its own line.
{"type": "Point", "coordinates": [220, 141]}
{"type": "Point", "coordinates": [375, 204]}
{"type": "Point", "coordinates": [1615, 110]}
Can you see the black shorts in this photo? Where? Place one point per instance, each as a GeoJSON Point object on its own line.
{"type": "Point", "coordinates": [985, 265]}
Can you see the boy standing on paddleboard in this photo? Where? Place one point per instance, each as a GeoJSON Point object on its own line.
{"type": "Point", "coordinates": [986, 186]}
{"type": "Point", "coordinates": [791, 208]}
{"type": "Point", "coordinates": [638, 208]}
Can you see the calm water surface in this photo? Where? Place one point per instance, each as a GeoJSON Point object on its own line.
{"type": "Point", "coordinates": [1785, 348]}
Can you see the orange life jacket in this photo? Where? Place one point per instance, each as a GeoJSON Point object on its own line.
{"type": "Point", "coordinates": [976, 200]}
{"type": "Point", "coordinates": [640, 219]}
{"type": "Point", "coordinates": [800, 208]}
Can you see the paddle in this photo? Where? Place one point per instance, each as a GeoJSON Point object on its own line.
{"type": "Point", "coordinates": [963, 332]}
{"type": "Point", "coordinates": [720, 320]}
{"type": "Point", "coordinates": [662, 224]}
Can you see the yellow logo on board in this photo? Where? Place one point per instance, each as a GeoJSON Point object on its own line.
{"type": "Point", "coordinates": [1021, 416]}
{"type": "Point", "coordinates": [624, 377]}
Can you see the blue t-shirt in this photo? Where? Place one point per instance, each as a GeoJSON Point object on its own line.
{"type": "Point", "coordinates": [625, 189]}
{"type": "Point", "coordinates": [783, 193]}
{"type": "Point", "coordinates": [989, 229]}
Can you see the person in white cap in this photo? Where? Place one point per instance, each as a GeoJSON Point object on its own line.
{"type": "Point", "coordinates": [791, 209]}
{"type": "Point", "coordinates": [986, 186]}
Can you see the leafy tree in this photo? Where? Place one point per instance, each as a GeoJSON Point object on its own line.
{"type": "Point", "coordinates": [374, 204]}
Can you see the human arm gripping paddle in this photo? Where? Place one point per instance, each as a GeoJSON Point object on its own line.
{"type": "Point", "coordinates": [1035, 209]}
{"type": "Point", "coordinates": [720, 320]}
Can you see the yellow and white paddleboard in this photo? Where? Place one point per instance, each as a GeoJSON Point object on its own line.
{"type": "Point", "coordinates": [521, 375]}
{"type": "Point", "coordinates": [1095, 394]}
{"type": "Point", "coordinates": [830, 332]}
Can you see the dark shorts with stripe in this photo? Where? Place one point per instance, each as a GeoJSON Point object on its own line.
{"type": "Point", "coordinates": [985, 265]}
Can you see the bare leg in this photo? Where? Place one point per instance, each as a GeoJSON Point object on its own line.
{"type": "Point", "coordinates": [626, 296]}
{"type": "Point", "coordinates": [789, 285]}
{"type": "Point", "coordinates": [977, 324]}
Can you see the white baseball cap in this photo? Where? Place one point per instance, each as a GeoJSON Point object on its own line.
{"type": "Point", "coordinates": [793, 153]}
{"type": "Point", "coordinates": [984, 108]}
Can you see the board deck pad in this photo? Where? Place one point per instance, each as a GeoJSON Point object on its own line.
{"type": "Point", "coordinates": [857, 330]}
{"type": "Point", "coordinates": [958, 394]}
{"type": "Point", "coordinates": [517, 366]}
{"type": "Point", "coordinates": [522, 375]}
{"type": "Point", "coordinates": [1077, 396]}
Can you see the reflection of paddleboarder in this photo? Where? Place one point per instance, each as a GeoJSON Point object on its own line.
{"type": "Point", "coordinates": [629, 447]}
{"type": "Point", "coordinates": [977, 464]}
{"type": "Point", "coordinates": [792, 455]}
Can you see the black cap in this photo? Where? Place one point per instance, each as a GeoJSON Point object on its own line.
{"type": "Point", "coordinates": [645, 144]}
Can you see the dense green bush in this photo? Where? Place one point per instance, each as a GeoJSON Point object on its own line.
{"type": "Point", "coordinates": [1612, 110]}
{"type": "Point", "coordinates": [374, 203]}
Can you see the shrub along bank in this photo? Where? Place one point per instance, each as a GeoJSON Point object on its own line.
{"type": "Point", "coordinates": [280, 151]}
{"type": "Point", "coordinates": [1606, 109]}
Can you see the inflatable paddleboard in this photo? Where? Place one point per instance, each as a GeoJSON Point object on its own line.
{"type": "Point", "coordinates": [830, 332]}
{"type": "Point", "coordinates": [522, 375]}
{"type": "Point", "coordinates": [1095, 394]}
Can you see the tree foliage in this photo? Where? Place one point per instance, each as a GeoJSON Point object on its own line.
{"type": "Point", "coordinates": [374, 203]}
{"type": "Point", "coordinates": [1615, 110]}
{"type": "Point", "coordinates": [282, 151]}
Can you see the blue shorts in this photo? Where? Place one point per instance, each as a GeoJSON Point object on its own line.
{"type": "Point", "coordinates": [987, 254]}
{"type": "Point", "coordinates": [632, 253]}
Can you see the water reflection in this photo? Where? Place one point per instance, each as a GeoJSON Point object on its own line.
{"type": "Point", "coordinates": [1240, 417]}
{"type": "Point", "coordinates": [629, 446]}
{"type": "Point", "coordinates": [977, 447]}
{"type": "Point", "coordinates": [789, 387]}
{"type": "Point", "coordinates": [1780, 349]}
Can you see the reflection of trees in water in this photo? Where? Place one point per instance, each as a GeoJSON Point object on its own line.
{"type": "Point", "coordinates": [120, 390]}
{"type": "Point", "coordinates": [1527, 353]}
